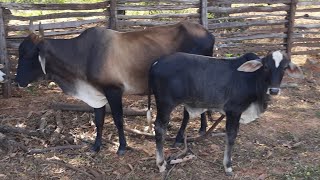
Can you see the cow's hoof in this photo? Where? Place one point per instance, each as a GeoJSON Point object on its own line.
{"type": "Point", "coordinates": [202, 132]}
{"type": "Point", "coordinates": [177, 144]}
{"type": "Point", "coordinates": [121, 152]}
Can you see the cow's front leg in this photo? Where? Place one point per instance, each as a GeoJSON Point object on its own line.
{"type": "Point", "coordinates": [232, 127]}
{"type": "Point", "coordinates": [114, 96]}
{"type": "Point", "coordinates": [99, 114]}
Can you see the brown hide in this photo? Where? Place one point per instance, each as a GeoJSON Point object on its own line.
{"type": "Point", "coordinates": [130, 55]}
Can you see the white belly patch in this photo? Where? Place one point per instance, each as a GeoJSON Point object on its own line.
{"type": "Point", "coordinates": [196, 112]}
{"type": "Point", "coordinates": [89, 94]}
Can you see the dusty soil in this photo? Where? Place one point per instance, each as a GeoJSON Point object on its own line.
{"type": "Point", "coordinates": [282, 144]}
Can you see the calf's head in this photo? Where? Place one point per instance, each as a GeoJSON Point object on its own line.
{"type": "Point", "coordinates": [30, 62]}
{"type": "Point", "coordinates": [273, 67]}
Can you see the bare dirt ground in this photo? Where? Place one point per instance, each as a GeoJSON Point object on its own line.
{"type": "Point", "coordinates": [283, 144]}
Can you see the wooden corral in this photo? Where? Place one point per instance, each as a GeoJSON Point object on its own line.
{"type": "Point", "coordinates": [239, 25]}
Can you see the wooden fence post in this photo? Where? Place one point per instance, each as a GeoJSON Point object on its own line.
{"type": "Point", "coordinates": [204, 13]}
{"type": "Point", "coordinates": [4, 56]}
{"type": "Point", "coordinates": [113, 15]}
{"type": "Point", "coordinates": [291, 18]}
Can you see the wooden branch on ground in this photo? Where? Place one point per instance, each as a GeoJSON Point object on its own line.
{"type": "Point", "coordinates": [59, 128]}
{"type": "Point", "coordinates": [215, 124]}
{"type": "Point", "coordinates": [9, 129]}
{"type": "Point", "coordinates": [43, 120]}
{"type": "Point", "coordinates": [135, 131]}
{"type": "Point", "coordinates": [8, 144]}
{"type": "Point", "coordinates": [86, 108]}
{"type": "Point", "coordinates": [56, 148]}
{"type": "Point", "coordinates": [183, 152]}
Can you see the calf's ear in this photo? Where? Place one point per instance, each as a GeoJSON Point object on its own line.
{"type": "Point", "coordinates": [294, 71]}
{"type": "Point", "coordinates": [250, 66]}
{"type": "Point", "coordinates": [1, 66]}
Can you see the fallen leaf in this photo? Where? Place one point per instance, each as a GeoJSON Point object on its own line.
{"type": "Point", "coordinates": [262, 177]}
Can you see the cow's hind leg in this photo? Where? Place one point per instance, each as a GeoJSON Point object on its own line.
{"type": "Point", "coordinates": [180, 136]}
{"type": "Point", "coordinates": [232, 127]}
{"type": "Point", "coordinates": [99, 114]}
{"type": "Point", "coordinates": [114, 96]}
{"type": "Point", "coordinates": [161, 123]}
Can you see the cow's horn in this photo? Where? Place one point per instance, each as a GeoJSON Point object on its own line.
{"type": "Point", "coordinates": [31, 30]}
{"type": "Point", "coordinates": [41, 31]}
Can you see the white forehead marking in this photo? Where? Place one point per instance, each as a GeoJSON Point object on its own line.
{"type": "Point", "coordinates": [277, 57]}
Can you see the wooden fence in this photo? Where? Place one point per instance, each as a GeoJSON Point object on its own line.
{"type": "Point", "coordinates": [239, 25]}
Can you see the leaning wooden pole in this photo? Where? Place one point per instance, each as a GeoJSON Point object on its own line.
{"type": "Point", "coordinates": [204, 13]}
{"type": "Point", "coordinates": [291, 18]}
{"type": "Point", "coordinates": [113, 15]}
{"type": "Point", "coordinates": [4, 56]}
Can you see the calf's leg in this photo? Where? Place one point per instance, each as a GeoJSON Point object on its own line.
{"type": "Point", "coordinates": [114, 97]}
{"type": "Point", "coordinates": [232, 127]}
{"type": "Point", "coordinates": [99, 114]}
{"type": "Point", "coordinates": [161, 123]}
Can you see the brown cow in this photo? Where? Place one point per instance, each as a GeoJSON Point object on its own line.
{"type": "Point", "coordinates": [101, 65]}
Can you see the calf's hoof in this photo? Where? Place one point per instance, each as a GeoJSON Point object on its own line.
{"type": "Point", "coordinates": [229, 171]}
{"type": "Point", "coordinates": [96, 148]}
{"type": "Point", "coordinates": [163, 167]}
{"type": "Point", "coordinates": [121, 151]}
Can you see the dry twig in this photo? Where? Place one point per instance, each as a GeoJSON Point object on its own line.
{"type": "Point", "coordinates": [167, 175]}
{"type": "Point", "coordinates": [56, 148]}
{"type": "Point", "coordinates": [59, 122]}
{"type": "Point", "coordinates": [43, 120]}
{"type": "Point", "coordinates": [71, 167]}
{"type": "Point", "coordinates": [86, 108]}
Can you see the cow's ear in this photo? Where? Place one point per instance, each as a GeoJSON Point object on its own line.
{"type": "Point", "coordinates": [294, 71]}
{"type": "Point", "coordinates": [250, 66]}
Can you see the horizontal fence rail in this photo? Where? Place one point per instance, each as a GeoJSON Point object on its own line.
{"type": "Point", "coordinates": [239, 26]}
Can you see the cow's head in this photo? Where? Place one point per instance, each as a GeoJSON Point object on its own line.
{"type": "Point", "coordinates": [30, 63]}
{"type": "Point", "coordinates": [274, 66]}
{"type": "Point", "coordinates": [2, 74]}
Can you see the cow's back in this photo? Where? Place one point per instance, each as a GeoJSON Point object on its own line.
{"type": "Point", "coordinates": [126, 57]}
{"type": "Point", "coordinates": [191, 78]}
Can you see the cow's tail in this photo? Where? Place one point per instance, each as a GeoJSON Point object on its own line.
{"type": "Point", "coordinates": [149, 117]}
